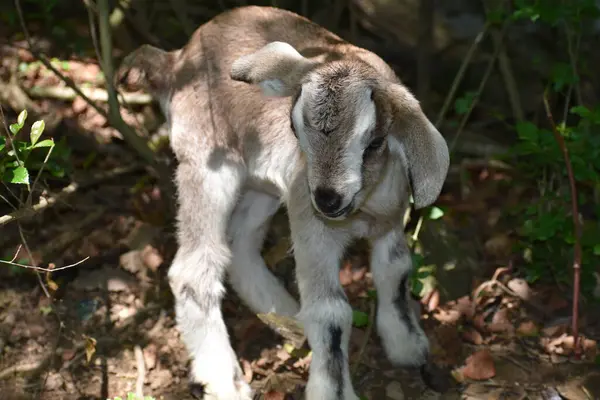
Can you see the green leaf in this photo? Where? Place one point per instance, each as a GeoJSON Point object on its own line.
{"type": "Point", "coordinates": [436, 213]}
{"type": "Point", "coordinates": [2, 143]}
{"type": "Point", "coordinates": [19, 175]}
{"type": "Point", "coordinates": [45, 310]}
{"type": "Point", "coordinates": [36, 131]}
{"type": "Point", "coordinates": [527, 131]}
{"type": "Point", "coordinates": [462, 104]}
{"type": "Point", "coordinates": [21, 118]}
{"type": "Point", "coordinates": [597, 250]}
{"type": "Point", "coordinates": [14, 128]}
{"type": "Point", "coordinates": [44, 143]}
{"type": "Point", "coordinates": [359, 318]}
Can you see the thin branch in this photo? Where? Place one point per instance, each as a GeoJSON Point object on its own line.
{"type": "Point", "coordinates": [30, 255]}
{"type": "Point", "coordinates": [576, 225]}
{"type": "Point", "coordinates": [114, 117]}
{"type": "Point", "coordinates": [94, 94]}
{"type": "Point", "coordinates": [37, 177]}
{"type": "Point", "coordinates": [8, 135]}
{"type": "Point", "coordinates": [41, 268]}
{"type": "Point", "coordinates": [482, 84]}
{"type": "Point", "coordinates": [573, 54]}
{"type": "Point", "coordinates": [460, 74]}
{"type": "Point", "coordinates": [506, 71]}
{"type": "Point", "coordinates": [141, 372]}
{"type": "Point", "coordinates": [85, 182]}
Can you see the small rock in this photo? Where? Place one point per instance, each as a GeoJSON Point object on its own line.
{"type": "Point", "coordinates": [161, 379]}
{"type": "Point", "coordinates": [54, 381]}
{"type": "Point", "coordinates": [394, 391]}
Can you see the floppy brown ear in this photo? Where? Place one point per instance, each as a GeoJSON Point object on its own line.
{"type": "Point", "coordinates": [425, 148]}
{"type": "Point", "coordinates": [277, 68]}
{"type": "Point", "coordinates": [145, 68]}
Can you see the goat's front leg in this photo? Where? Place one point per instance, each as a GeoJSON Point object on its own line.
{"type": "Point", "coordinates": [398, 325]}
{"type": "Point", "coordinates": [325, 313]}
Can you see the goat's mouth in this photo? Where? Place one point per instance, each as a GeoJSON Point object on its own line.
{"type": "Point", "coordinates": [340, 213]}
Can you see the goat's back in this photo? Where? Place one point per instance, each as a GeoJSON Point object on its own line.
{"type": "Point", "coordinates": [196, 86]}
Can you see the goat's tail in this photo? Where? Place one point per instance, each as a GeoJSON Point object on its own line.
{"type": "Point", "coordinates": [146, 68]}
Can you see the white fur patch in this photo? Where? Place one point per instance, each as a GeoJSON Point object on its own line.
{"type": "Point", "coordinates": [273, 87]}
{"type": "Point", "coordinates": [364, 124]}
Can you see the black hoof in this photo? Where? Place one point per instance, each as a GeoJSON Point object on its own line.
{"type": "Point", "coordinates": [196, 390]}
{"type": "Point", "coordinates": [436, 378]}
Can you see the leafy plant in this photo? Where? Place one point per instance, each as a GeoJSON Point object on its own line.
{"type": "Point", "coordinates": [19, 159]}
{"type": "Point", "coordinates": [546, 233]}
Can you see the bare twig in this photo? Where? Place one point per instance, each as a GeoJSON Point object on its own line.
{"type": "Point", "coordinates": [424, 49]}
{"type": "Point", "coordinates": [141, 372]}
{"type": "Point", "coordinates": [482, 84]}
{"type": "Point", "coordinates": [573, 53]}
{"type": "Point", "coordinates": [113, 105]}
{"type": "Point", "coordinates": [576, 225]}
{"type": "Point", "coordinates": [37, 177]}
{"type": "Point", "coordinates": [94, 94]}
{"type": "Point", "coordinates": [30, 255]}
{"type": "Point", "coordinates": [460, 74]}
{"type": "Point", "coordinates": [505, 67]}
{"type": "Point", "coordinates": [85, 182]}
{"type": "Point", "coordinates": [43, 269]}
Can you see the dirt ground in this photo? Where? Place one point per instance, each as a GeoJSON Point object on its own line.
{"type": "Point", "coordinates": [114, 312]}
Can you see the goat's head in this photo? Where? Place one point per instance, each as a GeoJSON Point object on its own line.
{"type": "Point", "coordinates": [344, 115]}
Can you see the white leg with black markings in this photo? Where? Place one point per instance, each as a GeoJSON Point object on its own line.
{"type": "Point", "coordinates": [325, 313]}
{"type": "Point", "coordinates": [196, 277]}
{"type": "Point", "coordinates": [398, 325]}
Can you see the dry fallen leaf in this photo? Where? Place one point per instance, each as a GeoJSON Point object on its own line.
{"type": "Point", "coordinates": [479, 366]}
{"type": "Point", "coordinates": [466, 307]}
{"type": "Point", "coordinates": [520, 287]}
{"type": "Point", "coordinates": [447, 316]}
{"type": "Point", "coordinates": [500, 322]}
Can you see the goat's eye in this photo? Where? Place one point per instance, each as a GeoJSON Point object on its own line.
{"type": "Point", "coordinates": [376, 143]}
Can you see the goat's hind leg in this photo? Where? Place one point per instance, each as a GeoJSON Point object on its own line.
{"type": "Point", "coordinates": [248, 274]}
{"type": "Point", "coordinates": [206, 199]}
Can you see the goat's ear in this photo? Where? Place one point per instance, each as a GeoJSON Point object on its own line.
{"type": "Point", "coordinates": [425, 148]}
{"type": "Point", "coordinates": [277, 68]}
{"type": "Point", "coordinates": [144, 68]}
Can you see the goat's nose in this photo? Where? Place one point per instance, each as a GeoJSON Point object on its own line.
{"type": "Point", "coordinates": [328, 200]}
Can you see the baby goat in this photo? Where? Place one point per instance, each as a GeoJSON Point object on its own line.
{"type": "Point", "coordinates": [265, 107]}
